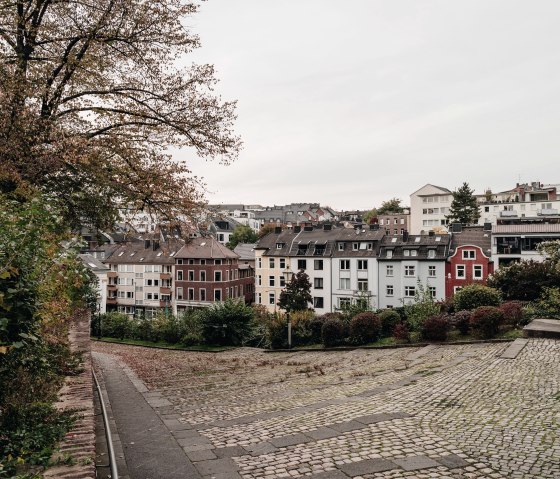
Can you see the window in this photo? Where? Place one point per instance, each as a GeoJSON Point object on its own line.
{"type": "Point", "coordinates": [151, 282]}
{"type": "Point", "coordinates": [217, 295]}
{"type": "Point", "coordinates": [179, 275]}
{"type": "Point", "coordinates": [318, 264]}
{"type": "Point", "coordinates": [191, 275]}
{"type": "Point", "coordinates": [152, 296]}
{"type": "Point", "coordinates": [282, 263]}
{"type": "Point", "coordinates": [202, 294]}
{"type": "Point", "coordinates": [259, 298]}
{"type": "Point", "coordinates": [217, 275]}
{"type": "Point", "coordinates": [179, 293]}
{"type": "Point", "coordinates": [389, 253]}
{"type": "Point", "coordinates": [477, 271]}
{"type": "Point", "coordinates": [409, 291]}
{"type": "Point", "coordinates": [302, 264]}
{"type": "Point", "coordinates": [469, 254]}
{"type": "Point", "coordinates": [259, 262]}
{"type": "Point", "coordinates": [282, 281]}
{"type": "Point", "coordinates": [362, 285]}
{"type": "Point", "coordinates": [402, 221]}
{"type": "Point", "coordinates": [344, 264]}
{"type": "Point", "coordinates": [460, 271]}
{"type": "Point", "coordinates": [318, 302]}
{"type": "Point", "coordinates": [362, 264]}
{"type": "Point", "coordinates": [259, 280]}
{"type": "Point", "coordinates": [271, 280]}
{"type": "Point", "coordinates": [203, 276]}
{"type": "Point", "coordinates": [432, 271]}
{"type": "Point", "coordinates": [457, 288]}
{"type": "Point", "coordinates": [389, 270]}
{"type": "Point", "coordinates": [279, 245]}
{"type": "Point", "coordinates": [344, 303]}
{"type": "Point", "coordinates": [389, 290]}
{"type": "Point", "coordinates": [344, 283]}
{"type": "Point", "coordinates": [190, 261]}
{"type": "Point", "coordinates": [217, 261]}
{"type": "Point", "coordinates": [271, 298]}
{"type": "Point", "coordinates": [409, 270]}
{"type": "Point", "coordinates": [414, 253]}
{"type": "Point", "coordinates": [431, 253]}
{"type": "Point", "coordinates": [340, 246]}
{"type": "Point", "coordinates": [432, 291]}
{"type": "Point", "coordinates": [355, 246]}
{"type": "Point", "coordinates": [381, 222]}
{"type": "Point", "coordinates": [318, 283]}
{"type": "Point", "coordinates": [271, 262]}
{"type": "Point", "coordinates": [406, 252]}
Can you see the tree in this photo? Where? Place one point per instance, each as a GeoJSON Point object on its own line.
{"type": "Point", "coordinates": [297, 295]}
{"type": "Point", "coordinates": [390, 206]}
{"type": "Point", "coordinates": [242, 234]}
{"type": "Point", "coordinates": [92, 98]}
{"type": "Point", "coordinates": [265, 229]}
{"type": "Point", "coordinates": [369, 215]}
{"type": "Point", "coordinates": [464, 207]}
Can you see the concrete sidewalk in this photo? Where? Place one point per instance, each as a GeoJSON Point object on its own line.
{"type": "Point", "coordinates": [150, 450]}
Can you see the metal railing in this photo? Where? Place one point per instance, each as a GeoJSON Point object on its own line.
{"type": "Point", "coordinates": [112, 460]}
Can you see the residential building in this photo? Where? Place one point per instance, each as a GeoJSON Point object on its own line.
{"type": "Point", "coordinates": [429, 207]}
{"type": "Point", "coordinates": [140, 280]}
{"type": "Point", "coordinates": [222, 229]}
{"type": "Point", "coordinates": [517, 242]}
{"type": "Point", "coordinates": [246, 253]}
{"type": "Point", "coordinates": [406, 261]}
{"type": "Point", "coordinates": [470, 257]}
{"type": "Point", "coordinates": [394, 223]}
{"type": "Point", "coordinates": [100, 271]}
{"type": "Point", "coordinates": [206, 272]}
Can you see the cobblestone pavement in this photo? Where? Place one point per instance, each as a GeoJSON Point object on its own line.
{"type": "Point", "coordinates": [432, 412]}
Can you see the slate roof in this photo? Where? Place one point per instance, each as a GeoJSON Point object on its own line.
{"type": "Point", "coordinates": [205, 248]}
{"type": "Point", "coordinates": [245, 251]}
{"type": "Point", "coordinates": [320, 242]}
{"type": "Point", "coordinates": [93, 263]}
{"type": "Point", "coordinates": [472, 236]}
{"type": "Point", "coordinates": [421, 243]}
{"type": "Point", "coordinates": [144, 252]}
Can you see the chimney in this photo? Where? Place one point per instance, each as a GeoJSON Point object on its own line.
{"type": "Point", "coordinates": [297, 229]}
{"type": "Point", "coordinates": [155, 245]}
{"type": "Point", "coordinates": [277, 230]}
{"type": "Point", "coordinates": [327, 227]}
{"type": "Point", "coordinates": [431, 233]}
{"type": "Point", "coordinates": [487, 227]}
{"type": "Point", "coordinates": [405, 236]}
{"type": "Point", "coordinates": [374, 227]}
{"type": "Point", "coordinates": [308, 227]}
{"type": "Point", "coordinates": [146, 244]}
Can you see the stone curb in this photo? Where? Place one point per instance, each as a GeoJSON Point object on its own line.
{"type": "Point", "coordinates": [163, 348]}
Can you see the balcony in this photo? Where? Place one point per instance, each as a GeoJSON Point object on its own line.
{"type": "Point", "coordinates": [165, 276]}
{"type": "Point", "coordinates": [508, 214]}
{"type": "Point", "coordinates": [165, 290]}
{"type": "Point", "coordinates": [112, 274]}
{"type": "Point", "coordinates": [547, 212]}
{"type": "Point", "coordinates": [112, 300]}
{"type": "Point", "coordinates": [112, 287]}
{"type": "Point", "coordinates": [508, 249]}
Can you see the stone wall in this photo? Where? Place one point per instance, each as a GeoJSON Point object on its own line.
{"type": "Point", "coordinates": [76, 456]}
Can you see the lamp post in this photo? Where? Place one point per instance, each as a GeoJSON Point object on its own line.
{"type": "Point", "coordinates": [288, 275]}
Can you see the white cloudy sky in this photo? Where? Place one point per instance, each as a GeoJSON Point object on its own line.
{"type": "Point", "coordinates": [351, 103]}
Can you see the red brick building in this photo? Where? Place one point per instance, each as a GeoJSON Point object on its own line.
{"type": "Point", "coordinates": [205, 272]}
{"type": "Point", "coordinates": [469, 258]}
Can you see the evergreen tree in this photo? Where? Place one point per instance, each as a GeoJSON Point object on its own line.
{"type": "Point", "coordinates": [242, 234]}
{"type": "Point", "coordinates": [297, 295]}
{"type": "Point", "coordinates": [464, 208]}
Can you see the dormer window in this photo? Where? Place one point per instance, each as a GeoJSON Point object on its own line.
{"type": "Point", "coordinates": [340, 246]}
{"type": "Point", "coordinates": [279, 245]}
{"type": "Point", "coordinates": [389, 253]}
{"type": "Point", "coordinates": [355, 246]}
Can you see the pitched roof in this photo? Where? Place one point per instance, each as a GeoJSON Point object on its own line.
{"type": "Point", "coordinates": [145, 252]}
{"type": "Point", "coordinates": [472, 236]}
{"type": "Point", "coordinates": [93, 263]}
{"type": "Point", "coordinates": [205, 248]}
{"type": "Point", "coordinates": [246, 251]}
{"type": "Point", "coordinates": [421, 243]}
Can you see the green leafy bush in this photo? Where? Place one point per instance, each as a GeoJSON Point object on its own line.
{"type": "Point", "coordinates": [190, 328]}
{"type": "Point", "coordinates": [389, 319]}
{"type": "Point", "coordinates": [365, 328]}
{"type": "Point", "coordinates": [525, 281]}
{"type": "Point", "coordinates": [462, 321]}
{"type": "Point", "coordinates": [436, 328]}
{"type": "Point", "coordinates": [548, 305]}
{"type": "Point", "coordinates": [227, 324]}
{"type": "Point", "coordinates": [474, 295]}
{"type": "Point", "coordinates": [116, 325]}
{"type": "Point", "coordinates": [421, 308]}
{"type": "Point", "coordinates": [485, 321]}
{"type": "Point", "coordinates": [333, 332]}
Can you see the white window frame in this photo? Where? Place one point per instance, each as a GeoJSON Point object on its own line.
{"type": "Point", "coordinates": [389, 270]}
{"type": "Point", "coordinates": [469, 254]}
{"type": "Point", "coordinates": [389, 290]}
{"type": "Point", "coordinates": [408, 290]}
{"type": "Point", "coordinates": [463, 268]}
{"type": "Point", "coordinates": [475, 269]}
{"type": "Point", "coordinates": [409, 271]}
{"type": "Point", "coordinates": [432, 270]}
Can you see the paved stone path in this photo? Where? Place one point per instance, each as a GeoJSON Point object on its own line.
{"type": "Point", "coordinates": [432, 412]}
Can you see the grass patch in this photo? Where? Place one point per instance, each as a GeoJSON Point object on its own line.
{"type": "Point", "coordinates": [165, 345]}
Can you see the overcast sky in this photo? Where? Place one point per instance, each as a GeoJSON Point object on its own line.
{"type": "Point", "coordinates": [352, 103]}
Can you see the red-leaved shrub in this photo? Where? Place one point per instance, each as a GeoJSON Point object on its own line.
{"type": "Point", "coordinates": [485, 321]}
